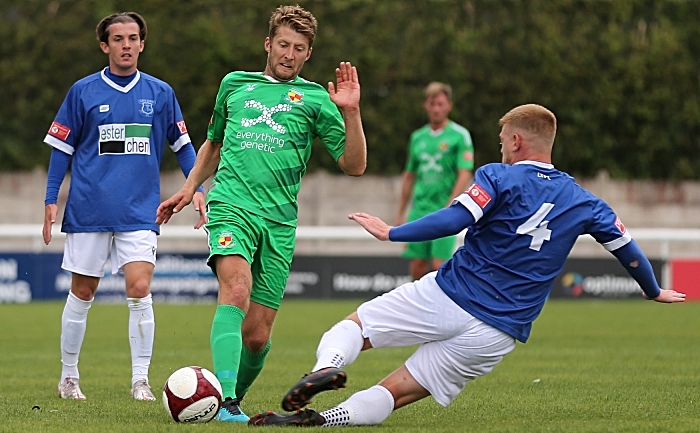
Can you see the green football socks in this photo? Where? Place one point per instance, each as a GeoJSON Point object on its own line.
{"type": "Point", "coordinates": [251, 365]}
{"type": "Point", "coordinates": [226, 344]}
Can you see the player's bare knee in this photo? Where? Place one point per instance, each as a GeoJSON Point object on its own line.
{"type": "Point", "coordinates": [84, 287]}
{"type": "Point", "coordinates": [256, 342]}
{"type": "Point", "coordinates": [83, 293]}
{"type": "Point", "coordinates": [139, 289]}
{"type": "Point", "coordinates": [355, 318]}
{"type": "Point", "coordinates": [256, 346]}
{"type": "Point", "coordinates": [237, 296]}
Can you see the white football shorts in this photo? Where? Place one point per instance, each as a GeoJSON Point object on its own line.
{"type": "Point", "coordinates": [87, 253]}
{"type": "Point", "coordinates": [455, 347]}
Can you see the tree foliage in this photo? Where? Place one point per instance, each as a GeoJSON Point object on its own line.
{"type": "Point", "coordinates": [622, 76]}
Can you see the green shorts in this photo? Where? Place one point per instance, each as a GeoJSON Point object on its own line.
{"type": "Point", "coordinates": [442, 249]}
{"type": "Point", "coordinates": [268, 247]}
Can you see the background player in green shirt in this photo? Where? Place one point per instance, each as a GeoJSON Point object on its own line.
{"type": "Point", "coordinates": [438, 169]}
{"type": "Point", "coordinates": [258, 143]}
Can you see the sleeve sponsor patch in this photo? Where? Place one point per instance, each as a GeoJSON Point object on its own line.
{"type": "Point", "coordinates": [479, 195]}
{"type": "Point", "coordinates": [181, 126]}
{"type": "Point", "coordinates": [468, 155]}
{"type": "Point", "coordinates": [619, 225]}
{"type": "Point", "coordinates": [59, 131]}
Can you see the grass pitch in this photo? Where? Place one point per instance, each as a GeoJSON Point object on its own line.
{"type": "Point", "coordinates": [590, 366]}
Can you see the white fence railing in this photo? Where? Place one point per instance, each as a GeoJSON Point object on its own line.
{"type": "Point", "coordinates": [32, 232]}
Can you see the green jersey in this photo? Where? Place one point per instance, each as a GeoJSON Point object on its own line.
{"type": "Point", "coordinates": [434, 157]}
{"type": "Point", "coordinates": [267, 128]}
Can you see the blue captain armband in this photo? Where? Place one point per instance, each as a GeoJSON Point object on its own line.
{"type": "Point", "coordinates": [639, 268]}
{"type": "Point", "coordinates": [445, 222]}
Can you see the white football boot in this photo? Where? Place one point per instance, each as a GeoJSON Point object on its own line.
{"type": "Point", "coordinates": [70, 389]}
{"type": "Point", "coordinates": [142, 391]}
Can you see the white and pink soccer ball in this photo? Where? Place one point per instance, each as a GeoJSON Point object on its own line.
{"type": "Point", "coordinates": [192, 395]}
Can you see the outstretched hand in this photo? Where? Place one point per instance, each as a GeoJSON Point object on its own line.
{"type": "Point", "coordinates": [174, 205]}
{"type": "Point", "coordinates": [346, 94]}
{"type": "Point", "coordinates": [376, 227]}
{"type": "Point", "coordinates": [668, 296]}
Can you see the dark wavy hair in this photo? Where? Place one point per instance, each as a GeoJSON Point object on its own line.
{"type": "Point", "coordinates": [122, 17]}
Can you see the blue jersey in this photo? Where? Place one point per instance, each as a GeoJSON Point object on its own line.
{"type": "Point", "coordinates": [116, 136]}
{"type": "Point", "coordinates": [528, 217]}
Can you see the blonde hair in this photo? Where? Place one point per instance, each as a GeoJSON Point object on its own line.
{"type": "Point", "coordinates": [296, 18]}
{"type": "Point", "coordinates": [435, 88]}
{"type": "Point", "coordinates": [534, 119]}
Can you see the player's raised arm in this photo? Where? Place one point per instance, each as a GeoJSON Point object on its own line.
{"type": "Point", "coordinates": [346, 95]}
{"type": "Point", "coordinates": [444, 222]}
{"type": "Point", "coordinates": [208, 159]}
{"type": "Point", "coordinates": [639, 268]}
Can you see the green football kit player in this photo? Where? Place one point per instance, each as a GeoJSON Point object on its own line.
{"type": "Point", "coordinates": [438, 168]}
{"type": "Point", "coordinates": [258, 143]}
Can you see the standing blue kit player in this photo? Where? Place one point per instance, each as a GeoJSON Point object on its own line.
{"type": "Point", "coordinates": [523, 217]}
{"type": "Point", "coordinates": [114, 125]}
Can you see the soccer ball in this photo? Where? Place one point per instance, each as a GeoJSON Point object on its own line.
{"type": "Point", "coordinates": [192, 394]}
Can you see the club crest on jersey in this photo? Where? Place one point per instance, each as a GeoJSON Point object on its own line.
{"type": "Point", "coordinates": [443, 146]}
{"type": "Point", "coordinates": [295, 96]}
{"type": "Point", "coordinates": [147, 107]}
{"type": "Point", "coordinates": [59, 131]}
{"type": "Point", "coordinates": [479, 195]}
{"type": "Point", "coordinates": [226, 240]}
{"type": "Point", "coordinates": [619, 225]}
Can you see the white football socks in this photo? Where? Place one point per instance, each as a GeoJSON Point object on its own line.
{"type": "Point", "coordinates": [142, 328]}
{"type": "Point", "coordinates": [339, 346]}
{"type": "Point", "coordinates": [368, 407]}
{"type": "Point", "coordinates": [73, 325]}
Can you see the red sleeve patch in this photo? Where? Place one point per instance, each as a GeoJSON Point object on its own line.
{"type": "Point", "coordinates": [181, 126]}
{"type": "Point", "coordinates": [59, 131]}
{"type": "Point", "coordinates": [481, 197]}
{"type": "Point", "coordinates": [620, 226]}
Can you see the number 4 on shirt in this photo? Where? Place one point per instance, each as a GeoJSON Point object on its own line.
{"type": "Point", "coordinates": [536, 227]}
